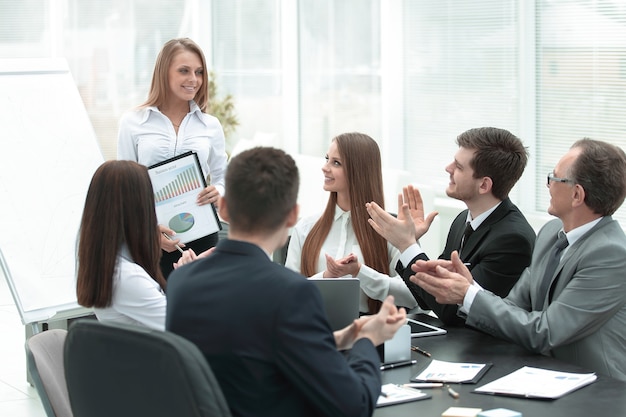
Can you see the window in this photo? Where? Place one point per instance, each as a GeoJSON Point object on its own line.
{"type": "Point", "coordinates": [581, 87]}
{"type": "Point", "coordinates": [461, 71]}
{"type": "Point", "coordinates": [411, 74]}
{"type": "Point", "coordinates": [247, 57]}
{"type": "Point", "coordinates": [339, 67]}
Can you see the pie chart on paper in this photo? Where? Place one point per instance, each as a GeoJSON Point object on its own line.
{"type": "Point", "coordinates": [181, 222]}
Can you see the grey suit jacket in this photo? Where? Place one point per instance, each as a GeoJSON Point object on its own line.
{"type": "Point", "coordinates": [586, 321]}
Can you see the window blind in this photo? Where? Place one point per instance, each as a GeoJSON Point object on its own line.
{"type": "Point", "coordinates": [461, 72]}
{"type": "Point", "coordinates": [581, 80]}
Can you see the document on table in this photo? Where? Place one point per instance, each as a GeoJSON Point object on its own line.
{"type": "Point", "coordinates": [454, 372]}
{"type": "Point", "coordinates": [531, 382]}
{"type": "Point", "coordinates": [396, 394]}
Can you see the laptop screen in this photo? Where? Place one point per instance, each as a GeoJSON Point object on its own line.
{"type": "Point", "coordinates": [341, 300]}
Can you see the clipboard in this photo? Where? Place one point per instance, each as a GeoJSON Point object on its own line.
{"type": "Point", "coordinates": [176, 183]}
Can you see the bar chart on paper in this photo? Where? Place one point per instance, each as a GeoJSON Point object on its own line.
{"type": "Point", "coordinates": [177, 183]}
{"type": "Point", "coordinates": [181, 183]}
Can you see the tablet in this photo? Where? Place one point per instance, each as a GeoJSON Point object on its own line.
{"type": "Point", "coordinates": [421, 329]}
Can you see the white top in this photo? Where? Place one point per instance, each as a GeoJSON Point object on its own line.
{"type": "Point", "coordinates": [137, 298]}
{"type": "Point", "coordinates": [147, 136]}
{"type": "Point", "coordinates": [340, 242]}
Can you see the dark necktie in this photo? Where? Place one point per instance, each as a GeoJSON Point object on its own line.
{"type": "Point", "coordinates": [553, 262]}
{"type": "Point", "coordinates": [466, 234]}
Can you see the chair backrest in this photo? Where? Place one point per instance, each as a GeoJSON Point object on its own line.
{"type": "Point", "coordinates": [44, 358]}
{"type": "Point", "coordinates": [119, 370]}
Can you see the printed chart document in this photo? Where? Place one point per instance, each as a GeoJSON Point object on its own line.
{"type": "Point", "coordinates": [531, 382]}
{"type": "Point", "coordinates": [452, 372]}
{"type": "Point", "coordinates": [176, 183]}
{"type": "Point", "coordinates": [396, 394]}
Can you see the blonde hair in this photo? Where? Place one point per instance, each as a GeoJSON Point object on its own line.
{"type": "Point", "coordinates": [159, 89]}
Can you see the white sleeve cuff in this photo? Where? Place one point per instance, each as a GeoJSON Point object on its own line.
{"type": "Point", "coordinates": [469, 297]}
{"type": "Point", "coordinates": [411, 252]}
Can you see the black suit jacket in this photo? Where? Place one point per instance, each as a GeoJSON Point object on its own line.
{"type": "Point", "coordinates": [264, 332]}
{"type": "Point", "coordinates": [498, 251]}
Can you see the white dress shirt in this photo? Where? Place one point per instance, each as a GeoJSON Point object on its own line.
{"type": "Point", "coordinates": [137, 298]}
{"type": "Point", "coordinates": [147, 136]}
{"type": "Point", "coordinates": [340, 242]}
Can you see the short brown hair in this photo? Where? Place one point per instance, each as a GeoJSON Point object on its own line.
{"type": "Point", "coordinates": [601, 170]}
{"type": "Point", "coordinates": [261, 189]}
{"type": "Point", "coordinates": [499, 155]}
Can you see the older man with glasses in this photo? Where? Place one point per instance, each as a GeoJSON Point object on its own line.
{"type": "Point", "coordinates": [570, 303]}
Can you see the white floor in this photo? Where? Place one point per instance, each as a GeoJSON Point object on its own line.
{"type": "Point", "coordinates": [17, 397]}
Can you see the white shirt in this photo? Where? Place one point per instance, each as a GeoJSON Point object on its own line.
{"type": "Point", "coordinates": [137, 298]}
{"type": "Point", "coordinates": [147, 136]}
{"type": "Point", "coordinates": [340, 242]}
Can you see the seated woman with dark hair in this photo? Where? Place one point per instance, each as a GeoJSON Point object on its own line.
{"type": "Point", "coordinates": [119, 248]}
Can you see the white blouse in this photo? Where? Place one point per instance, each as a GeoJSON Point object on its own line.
{"type": "Point", "coordinates": [340, 242]}
{"type": "Point", "coordinates": [137, 298]}
{"type": "Point", "coordinates": [147, 136]}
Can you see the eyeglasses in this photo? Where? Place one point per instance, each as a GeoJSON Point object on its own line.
{"type": "Point", "coordinates": [552, 178]}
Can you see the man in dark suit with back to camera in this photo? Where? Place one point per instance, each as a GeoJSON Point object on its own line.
{"type": "Point", "coordinates": [570, 303]}
{"type": "Point", "coordinates": [261, 326]}
{"type": "Point", "coordinates": [492, 235]}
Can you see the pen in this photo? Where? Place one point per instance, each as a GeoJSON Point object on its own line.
{"type": "Point", "coordinates": [423, 385]}
{"type": "Point", "coordinates": [467, 264]}
{"type": "Point", "coordinates": [169, 238]}
{"type": "Point", "coordinates": [452, 392]}
{"type": "Point", "coordinates": [397, 364]}
{"type": "Point", "coordinates": [420, 350]}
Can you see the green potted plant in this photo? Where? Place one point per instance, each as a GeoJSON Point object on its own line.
{"type": "Point", "coordinates": [223, 108]}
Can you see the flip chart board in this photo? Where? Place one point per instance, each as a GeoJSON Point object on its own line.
{"type": "Point", "coordinates": [49, 153]}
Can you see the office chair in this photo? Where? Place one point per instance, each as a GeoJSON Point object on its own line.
{"type": "Point", "coordinates": [223, 233]}
{"type": "Point", "coordinates": [44, 358]}
{"type": "Point", "coordinates": [280, 254]}
{"type": "Point", "coordinates": [120, 370]}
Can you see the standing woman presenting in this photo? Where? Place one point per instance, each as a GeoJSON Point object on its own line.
{"type": "Point", "coordinates": [340, 242]}
{"type": "Point", "coordinates": [172, 121]}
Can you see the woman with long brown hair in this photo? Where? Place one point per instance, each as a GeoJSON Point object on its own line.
{"type": "Point", "coordinates": [119, 249]}
{"type": "Point", "coordinates": [341, 242]}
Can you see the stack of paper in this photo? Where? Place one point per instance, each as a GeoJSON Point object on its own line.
{"type": "Point", "coordinates": [537, 383]}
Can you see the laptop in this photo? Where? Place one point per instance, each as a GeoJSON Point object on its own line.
{"type": "Point", "coordinates": [341, 300]}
